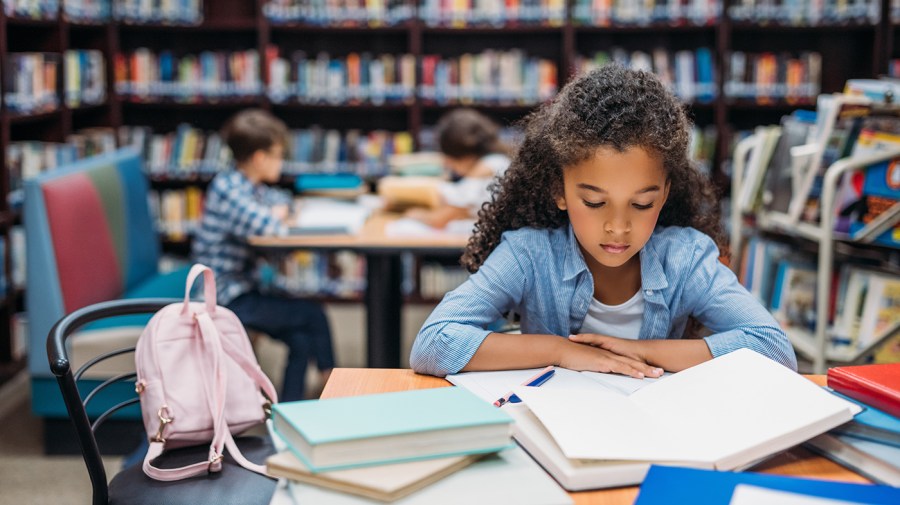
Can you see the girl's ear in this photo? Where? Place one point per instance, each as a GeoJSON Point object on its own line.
{"type": "Point", "coordinates": [666, 192]}
{"type": "Point", "coordinates": [561, 202]}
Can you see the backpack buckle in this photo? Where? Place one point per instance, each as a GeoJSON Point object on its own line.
{"type": "Point", "coordinates": [163, 421]}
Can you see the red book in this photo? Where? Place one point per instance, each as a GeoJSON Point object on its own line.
{"type": "Point", "coordinates": [875, 385]}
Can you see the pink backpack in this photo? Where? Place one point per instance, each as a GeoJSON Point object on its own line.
{"type": "Point", "coordinates": [198, 381]}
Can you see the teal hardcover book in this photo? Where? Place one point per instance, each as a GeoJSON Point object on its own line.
{"type": "Point", "coordinates": [366, 430]}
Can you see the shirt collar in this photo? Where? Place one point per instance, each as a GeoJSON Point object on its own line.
{"type": "Point", "coordinates": [652, 274]}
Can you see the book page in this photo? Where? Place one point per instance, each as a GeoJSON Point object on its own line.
{"type": "Point", "coordinates": [490, 386]}
{"type": "Point", "coordinates": [740, 401]}
{"type": "Point", "coordinates": [597, 424]}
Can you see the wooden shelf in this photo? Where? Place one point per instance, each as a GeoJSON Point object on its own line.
{"type": "Point", "coordinates": [34, 118]}
{"type": "Point", "coordinates": [202, 104]}
{"type": "Point", "coordinates": [345, 30]}
{"type": "Point", "coordinates": [777, 104]}
{"type": "Point", "coordinates": [476, 30]}
{"type": "Point", "coordinates": [650, 28]}
{"type": "Point", "coordinates": [824, 28]}
{"type": "Point", "coordinates": [32, 23]}
{"type": "Point", "coordinates": [360, 106]}
{"type": "Point", "coordinates": [89, 107]}
{"type": "Point", "coordinates": [234, 25]}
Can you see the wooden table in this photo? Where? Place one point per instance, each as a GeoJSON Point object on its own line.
{"type": "Point", "coordinates": [384, 275]}
{"type": "Point", "coordinates": [796, 462]}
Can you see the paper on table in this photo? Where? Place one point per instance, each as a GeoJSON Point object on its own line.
{"type": "Point", "coordinates": [408, 227]}
{"type": "Point", "coordinates": [326, 215]}
{"type": "Point", "coordinates": [492, 385]}
{"type": "Point", "coordinates": [745, 494]}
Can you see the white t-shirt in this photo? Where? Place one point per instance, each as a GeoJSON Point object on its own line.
{"type": "Point", "coordinates": [622, 321]}
{"type": "Point", "coordinates": [471, 192]}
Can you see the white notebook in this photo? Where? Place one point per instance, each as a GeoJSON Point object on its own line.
{"type": "Point", "coordinates": [726, 413]}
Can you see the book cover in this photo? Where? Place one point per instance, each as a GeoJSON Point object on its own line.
{"type": "Point", "coordinates": [875, 385]}
{"type": "Point", "coordinates": [877, 462]}
{"type": "Point", "coordinates": [703, 487]}
{"type": "Point", "coordinates": [383, 482]}
{"type": "Point", "coordinates": [871, 424]}
{"type": "Point", "coordinates": [391, 427]}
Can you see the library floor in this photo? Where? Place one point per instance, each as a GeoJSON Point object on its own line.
{"type": "Point", "coordinates": [27, 476]}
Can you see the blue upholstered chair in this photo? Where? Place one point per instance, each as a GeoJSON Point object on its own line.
{"type": "Point", "coordinates": [89, 238]}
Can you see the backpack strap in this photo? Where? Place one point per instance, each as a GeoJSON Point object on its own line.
{"type": "Point", "coordinates": [209, 288]}
{"type": "Point", "coordinates": [222, 438]}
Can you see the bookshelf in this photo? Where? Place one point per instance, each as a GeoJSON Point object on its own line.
{"type": "Point", "coordinates": [854, 49]}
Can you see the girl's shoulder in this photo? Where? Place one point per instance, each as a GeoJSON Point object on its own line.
{"type": "Point", "coordinates": [680, 241]}
{"type": "Point", "coordinates": [537, 244]}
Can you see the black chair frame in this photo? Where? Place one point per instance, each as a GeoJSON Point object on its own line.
{"type": "Point", "coordinates": [61, 369]}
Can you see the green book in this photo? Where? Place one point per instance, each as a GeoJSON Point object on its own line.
{"type": "Point", "coordinates": [385, 428]}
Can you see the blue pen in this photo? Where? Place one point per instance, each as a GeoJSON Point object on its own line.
{"type": "Point", "coordinates": [542, 377]}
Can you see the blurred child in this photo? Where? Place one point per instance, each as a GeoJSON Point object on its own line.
{"type": "Point", "coordinates": [475, 156]}
{"type": "Point", "coordinates": [238, 206]}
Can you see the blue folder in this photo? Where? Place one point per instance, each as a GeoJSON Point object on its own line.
{"type": "Point", "coordinates": [664, 484]}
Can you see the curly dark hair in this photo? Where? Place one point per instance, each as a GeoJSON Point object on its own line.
{"type": "Point", "coordinates": [609, 107]}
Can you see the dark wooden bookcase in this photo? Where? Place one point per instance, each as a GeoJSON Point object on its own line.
{"type": "Point", "coordinates": [848, 51]}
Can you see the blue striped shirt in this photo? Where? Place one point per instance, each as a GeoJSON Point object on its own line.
{"type": "Point", "coordinates": [235, 210]}
{"type": "Point", "coordinates": [541, 275]}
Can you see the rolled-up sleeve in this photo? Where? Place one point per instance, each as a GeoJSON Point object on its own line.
{"type": "Point", "coordinates": [735, 317]}
{"type": "Point", "coordinates": [458, 325]}
{"type": "Point", "coordinates": [248, 216]}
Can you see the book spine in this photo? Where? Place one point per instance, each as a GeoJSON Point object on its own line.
{"type": "Point", "coordinates": [865, 391]}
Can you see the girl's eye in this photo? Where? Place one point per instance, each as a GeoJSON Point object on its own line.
{"type": "Point", "coordinates": [594, 205]}
{"type": "Point", "coordinates": [642, 207]}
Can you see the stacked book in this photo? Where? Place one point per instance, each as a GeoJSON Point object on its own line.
{"type": "Point", "coordinates": [385, 447]}
{"type": "Point", "coordinates": [870, 443]}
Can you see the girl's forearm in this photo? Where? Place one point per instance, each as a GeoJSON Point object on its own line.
{"type": "Point", "coordinates": [675, 355]}
{"type": "Point", "coordinates": [501, 351]}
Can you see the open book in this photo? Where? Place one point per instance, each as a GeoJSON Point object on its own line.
{"type": "Point", "coordinates": [725, 414]}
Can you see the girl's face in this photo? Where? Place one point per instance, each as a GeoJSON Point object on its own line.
{"type": "Point", "coordinates": [613, 200]}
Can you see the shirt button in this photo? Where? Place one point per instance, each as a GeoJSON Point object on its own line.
{"type": "Point", "coordinates": [649, 292]}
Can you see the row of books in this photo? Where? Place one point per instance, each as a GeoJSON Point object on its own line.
{"type": "Point", "coordinates": [496, 77]}
{"type": "Point", "coordinates": [189, 152]}
{"type": "Point", "coordinates": [129, 11]}
{"type": "Point", "coordinates": [491, 77]}
{"type": "Point", "coordinates": [354, 79]}
{"type": "Point", "coordinates": [27, 159]}
{"type": "Point", "coordinates": [806, 12]}
{"type": "Point", "coordinates": [31, 82]}
{"type": "Point", "coordinates": [177, 212]}
{"type": "Point", "coordinates": [626, 12]}
{"type": "Point", "coordinates": [492, 13]}
{"type": "Point", "coordinates": [766, 77]}
{"type": "Point", "coordinates": [32, 9]}
{"type": "Point", "coordinates": [85, 77]}
{"type": "Point", "coordinates": [87, 10]}
{"type": "Point", "coordinates": [370, 13]}
{"type": "Point", "coordinates": [436, 280]}
{"type": "Point", "coordinates": [156, 11]}
{"type": "Point", "coordinates": [340, 274]}
{"type": "Point", "coordinates": [211, 74]}
{"type": "Point", "coordinates": [784, 173]}
{"type": "Point", "coordinates": [866, 303]}
{"type": "Point", "coordinates": [185, 153]}
{"type": "Point", "coordinates": [869, 444]}
{"type": "Point", "coordinates": [690, 74]}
